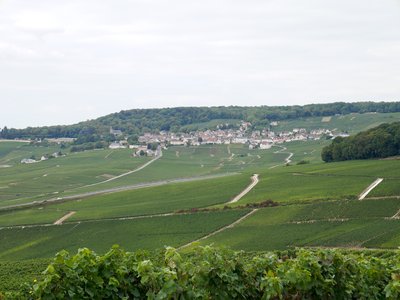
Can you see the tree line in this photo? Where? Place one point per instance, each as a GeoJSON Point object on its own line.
{"type": "Point", "coordinates": [138, 121]}
{"type": "Point", "coordinates": [379, 142]}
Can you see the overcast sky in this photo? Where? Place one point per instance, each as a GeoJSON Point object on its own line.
{"type": "Point", "coordinates": [67, 61]}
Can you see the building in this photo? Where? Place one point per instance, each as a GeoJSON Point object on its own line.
{"type": "Point", "coordinates": [116, 145]}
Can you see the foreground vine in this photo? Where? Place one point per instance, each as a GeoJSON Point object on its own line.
{"type": "Point", "coordinates": [214, 273]}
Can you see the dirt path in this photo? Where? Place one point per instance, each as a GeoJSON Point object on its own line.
{"type": "Point", "coordinates": [287, 159]}
{"type": "Point", "coordinates": [111, 152]}
{"type": "Point", "coordinates": [158, 156]}
{"type": "Point", "coordinates": [383, 197]}
{"type": "Point", "coordinates": [63, 218]}
{"type": "Point", "coordinates": [396, 216]}
{"type": "Point", "coordinates": [370, 188]}
{"type": "Point", "coordinates": [221, 229]}
{"type": "Point", "coordinates": [254, 181]}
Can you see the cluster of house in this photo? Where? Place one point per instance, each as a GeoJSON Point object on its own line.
{"type": "Point", "coordinates": [43, 158]}
{"type": "Point", "coordinates": [262, 139]}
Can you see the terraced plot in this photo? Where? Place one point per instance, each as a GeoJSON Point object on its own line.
{"type": "Point", "coordinates": [295, 187]}
{"type": "Point", "coordinates": [26, 182]}
{"type": "Point", "coordinates": [348, 224]}
{"type": "Point", "coordinates": [186, 162]}
{"type": "Point", "coordinates": [146, 233]}
{"type": "Point", "coordinates": [146, 201]}
{"type": "Point", "coordinates": [388, 187]}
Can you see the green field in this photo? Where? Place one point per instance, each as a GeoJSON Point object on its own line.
{"type": "Point", "coordinates": [26, 182]}
{"type": "Point", "coordinates": [145, 233]}
{"type": "Point", "coordinates": [317, 202]}
{"type": "Point", "coordinates": [341, 224]}
{"type": "Point", "coordinates": [326, 181]}
{"type": "Point", "coordinates": [146, 201]}
{"type": "Point", "coordinates": [57, 178]}
{"type": "Point", "coordinates": [288, 187]}
{"type": "Point", "coordinates": [187, 162]}
{"type": "Point", "coordinates": [351, 123]}
{"type": "Point", "coordinates": [388, 187]}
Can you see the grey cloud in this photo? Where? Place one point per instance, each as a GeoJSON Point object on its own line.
{"type": "Point", "coordinates": [88, 58]}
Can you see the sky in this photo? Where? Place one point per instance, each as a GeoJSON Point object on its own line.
{"type": "Point", "coordinates": [62, 62]}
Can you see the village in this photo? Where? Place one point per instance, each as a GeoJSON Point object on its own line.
{"type": "Point", "coordinates": [255, 139]}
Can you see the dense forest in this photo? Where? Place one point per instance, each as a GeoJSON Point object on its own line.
{"type": "Point", "coordinates": [379, 142]}
{"type": "Point", "coordinates": [138, 121]}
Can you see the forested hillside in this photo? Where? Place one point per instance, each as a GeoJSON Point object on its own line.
{"type": "Point", "coordinates": [138, 121]}
{"type": "Point", "coordinates": [379, 142]}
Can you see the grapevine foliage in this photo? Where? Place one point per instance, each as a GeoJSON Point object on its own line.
{"type": "Point", "coordinates": [214, 273]}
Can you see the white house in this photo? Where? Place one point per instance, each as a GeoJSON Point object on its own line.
{"type": "Point", "coordinates": [116, 145]}
{"type": "Point", "coordinates": [28, 161]}
{"type": "Point", "coordinates": [265, 145]}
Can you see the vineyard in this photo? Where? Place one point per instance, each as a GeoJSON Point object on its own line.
{"type": "Point", "coordinates": [212, 273]}
{"type": "Point", "coordinates": [184, 200]}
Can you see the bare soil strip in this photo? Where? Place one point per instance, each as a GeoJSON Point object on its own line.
{"type": "Point", "coordinates": [370, 188]}
{"type": "Point", "coordinates": [383, 197]}
{"type": "Point", "coordinates": [221, 229]}
{"type": "Point", "coordinates": [65, 217]}
{"type": "Point", "coordinates": [254, 181]}
{"type": "Point", "coordinates": [396, 215]}
{"type": "Point", "coordinates": [315, 221]}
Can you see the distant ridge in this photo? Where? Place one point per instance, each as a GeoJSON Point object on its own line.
{"type": "Point", "coordinates": [138, 121]}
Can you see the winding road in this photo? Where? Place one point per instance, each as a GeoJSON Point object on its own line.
{"type": "Point", "coordinates": [287, 159]}
{"type": "Point", "coordinates": [157, 156]}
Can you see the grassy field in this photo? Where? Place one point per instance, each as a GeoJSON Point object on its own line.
{"type": "Point", "coordinates": [146, 233]}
